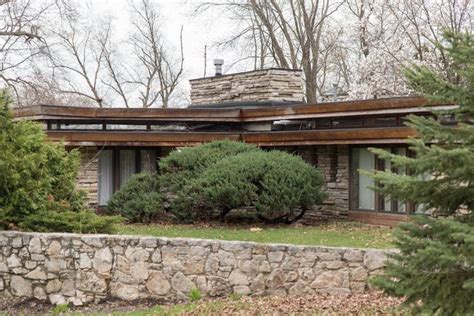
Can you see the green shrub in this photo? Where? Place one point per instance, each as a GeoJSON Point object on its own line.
{"type": "Point", "coordinates": [279, 186]}
{"type": "Point", "coordinates": [85, 221]}
{"type": "Point", "coordinates": [139, 200]}
{"type": "Point", "coordinates": [184, 164]}
{"type": "Point", "coordinates": [38, 180]}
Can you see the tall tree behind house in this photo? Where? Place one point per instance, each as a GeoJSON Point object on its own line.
{"type": "Point", "coordinates": [360, 45]}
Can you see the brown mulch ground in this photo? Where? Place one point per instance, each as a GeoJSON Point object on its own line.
{"type": "Point", "coordinates": [374, 303]}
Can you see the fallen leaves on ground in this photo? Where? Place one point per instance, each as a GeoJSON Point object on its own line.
{"type": "Point", "coordinates": [371, 303]}
{"type": "Point", "coordinates": [374, 303]}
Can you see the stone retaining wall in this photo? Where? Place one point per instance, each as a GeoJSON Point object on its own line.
{"type": "Point", "coordinates": [78, 269]}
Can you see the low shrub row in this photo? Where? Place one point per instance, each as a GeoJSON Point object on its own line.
{"type": "Point", "coordinates": [209, 181]}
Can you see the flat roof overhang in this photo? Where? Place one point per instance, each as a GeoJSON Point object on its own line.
{"type": "Point", "coordinates": [237, 115]}
{"type": "Point", "coordinates": [265, 138]}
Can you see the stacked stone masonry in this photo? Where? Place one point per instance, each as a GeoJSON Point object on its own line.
{"type": "Point", "coordinates": [87, 177]}
{"type": "Point", "coordinates": [333, 162]}
{"type": "Point", "coordinates": [259, 85]}
{"type": "Point", "coordinates": [80, 269]}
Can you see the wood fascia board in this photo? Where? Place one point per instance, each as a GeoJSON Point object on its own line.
{"type": "Point", "coordinates": [418, 110]}
{"type": "Point", "coordinates": [329, 109]}
{"type": "Point", "coordinates": [313, 137]}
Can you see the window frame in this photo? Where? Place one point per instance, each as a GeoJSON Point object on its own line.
{"type": "Point", "coordinates": [379, 199]}
{"type": "Point", "coordinates": [116, 170]}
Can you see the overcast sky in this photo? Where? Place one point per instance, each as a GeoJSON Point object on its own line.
{"type": "Point", "coordinates": [197, 32]}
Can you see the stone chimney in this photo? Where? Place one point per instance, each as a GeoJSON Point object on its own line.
{"type": "Point", "coordinates": [279, 85]}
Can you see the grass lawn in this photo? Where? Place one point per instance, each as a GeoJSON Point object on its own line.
{"type": "Point", "coordinates": [336, 234]}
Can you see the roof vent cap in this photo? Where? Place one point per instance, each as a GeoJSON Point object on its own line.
{"type": "Point", "coordinates": [218, 64]}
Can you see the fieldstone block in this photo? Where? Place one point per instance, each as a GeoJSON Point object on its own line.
{"type": "Point", "coordinates": [374, 260]}
{"type": "Point", "coordinates": [353, 255]}
{"type": "Point", "coordinates": [57, 299]}
{"type": "Point", "coordinates": [242, 290]}
{"type": "Point", "coordinates": [17, 242]}
{"type": "Point", "coordinates": [300, 288]}
{"type": "Point", "coordinates": [37, 274]}
{"type": "Point", "coordinates": [20, 286]}
{"type": "Point", "coordinates": [276, 279]}
{"type": "Point", "coordinates": [125, 291]}
{"type": "Point", "coordinates": [258, 284]}
{"type": "Point", "coordinates": [359, 274]}
{"type": "Point", "coordinates": [68, 288]}
{"type": "Point", "coordinates": [13, 261]}
{"type": "Point", "coordinates": [39, 293]}
{"type": "Point", "coordinates": [54, 248]}
{"type": "Point", "coordinates": [275, 256]}
{"type": "Point", "coordinates": [328, 279]}
{"type": "Point", "coordinates": [236, 277]}
{"type": "Point", "coordinates": [218, 286]}
{"type": "Point", "coordinates": [181, 283]}
{"type": "Point", "coordinates": [103, 260]}
{"type": "Point", "coordinates": [136, 254]}
{"type": "Point", "coordinates": [139, 270]}
{"type": "Point", "coordinates": [53, 286]}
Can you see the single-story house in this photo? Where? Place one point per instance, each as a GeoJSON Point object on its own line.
{"type": "Point", "coordinates": [262, 107]}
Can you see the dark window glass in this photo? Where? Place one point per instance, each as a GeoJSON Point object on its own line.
{"type": "Point", "coordinates": [323, 123]}
{"type": "Point", "coordinates": [381, 121]}
{"type": "Point", "coordinates": [347, 122]}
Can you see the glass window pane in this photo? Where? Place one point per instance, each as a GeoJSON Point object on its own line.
{"type": "Point", "coordinates": [127, 165]}
{"type": "Point", "coordinates": [366, 195]}
{"type": "Point", "coordinates": [105, 176]}
{"type": "Point", "coordinates": [148, 161]}
{"type": "Point", "coordinates": [387, 201]}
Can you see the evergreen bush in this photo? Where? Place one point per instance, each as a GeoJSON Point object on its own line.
{"type": "Point", "coordinates": [279, 186]}
{"type": "Point", "coordinates": [184, 164]}
{"type": "Point", "coordinates": [434, 270]}
{"type": "Point", "coordinates": [139, 200]}
{"type": "Point", "coordinates": [38, 179]}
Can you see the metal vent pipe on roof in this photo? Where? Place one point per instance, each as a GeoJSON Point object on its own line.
{"type": "Point", "coordinates": [218, 64]}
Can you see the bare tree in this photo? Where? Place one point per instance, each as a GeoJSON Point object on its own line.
{"type": "Point", "coordinates": [21, 42]}
{"type": "Point", "coordinates": [157, 74]}
{"type": "Point", "coordinates": [293, 32]}
{"type": "Point", "coordinates": [79, 58]}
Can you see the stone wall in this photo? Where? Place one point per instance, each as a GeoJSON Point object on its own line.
{"type": "Point", "coordinates": [333, 161]}
{"type": "Point", "coordinates": [259, 85]}
{"type": "Point", "coordinates": [87, 177]}
{"type": "Point", "coordinates": [79, 269]}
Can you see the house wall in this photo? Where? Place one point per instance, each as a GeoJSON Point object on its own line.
{"type": "Point", "coordinates": [260, 85]}
{"type": "Point", "coordinates": [80, 269]}
{"type": "Point", "coordinates": [87, 177]}
{"type": "Point", "coordinates": [333, 161]}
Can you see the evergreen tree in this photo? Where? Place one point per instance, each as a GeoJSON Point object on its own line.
{"type": "Point", "coordinates": [434, 269]}
{"type": "Point", "coordinates": [38, 181]}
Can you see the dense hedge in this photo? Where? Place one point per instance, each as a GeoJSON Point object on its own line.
{"type": "Point", "coordinates": [139, 200]}
{"type": "Point", "coordinates": [279, 186]}
{"type": "Point", "coordinates": [184, 164]}
{"type": "Point", "coordinates": [38, 180]}
{"type": "Point", "coordinates": [210, 180]}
